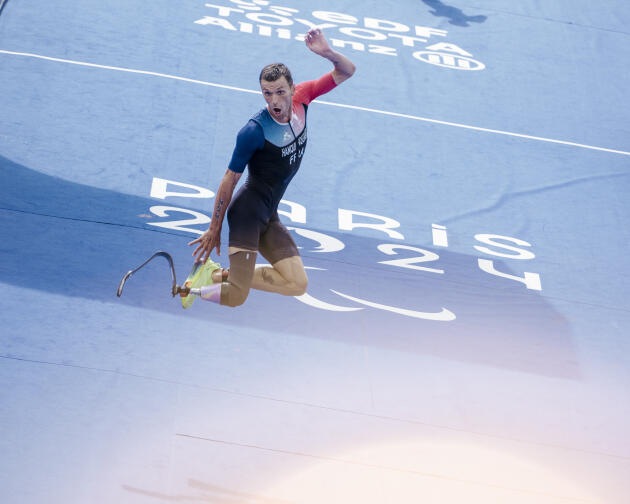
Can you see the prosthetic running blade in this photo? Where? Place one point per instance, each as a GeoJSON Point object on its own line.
{"type": "Point", "coordinates": [175, 289]}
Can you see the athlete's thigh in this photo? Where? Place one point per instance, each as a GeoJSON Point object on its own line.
{"type": "Point", "coordinates": [292, 270]}
{"type": "Point", "coordinates": [246, 216]}
{"type": "Point", "coordinates": [276, 243]}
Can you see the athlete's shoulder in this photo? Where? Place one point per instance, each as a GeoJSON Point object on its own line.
{"type": "Point", "coordinates": [303, 92]}
{"type": "Point", "coordinates": [252, 132]}
{"type": "Point", "coordinates": [262, 117]}
{"type": "Point", "coordinates": [250, 138]}
{"type": "Point", "coordinates": [307, 91]}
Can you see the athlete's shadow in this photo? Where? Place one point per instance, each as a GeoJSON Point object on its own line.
{"type": "Point", "coordinates": [453, 14]}
{"type": "Point", "coordinates": [78, 241]}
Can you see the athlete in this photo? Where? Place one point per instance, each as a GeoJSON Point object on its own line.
{"type": "Point", "coordinates": [272, 144]}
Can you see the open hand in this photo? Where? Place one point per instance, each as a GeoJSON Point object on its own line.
{"type": "Point", "coordinates": [206, 243]}
{"type": "Point", "coordinates": [316, 41]}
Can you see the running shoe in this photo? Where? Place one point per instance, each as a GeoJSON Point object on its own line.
{"type": "Point", "coordinates": [200, 275]}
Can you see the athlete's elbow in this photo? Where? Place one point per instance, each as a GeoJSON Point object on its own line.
{"type": "Point", "coordinates": [342, 74]}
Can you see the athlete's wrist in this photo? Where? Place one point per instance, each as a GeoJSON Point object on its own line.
{"type": "Point", "coordinates": [330, 54]}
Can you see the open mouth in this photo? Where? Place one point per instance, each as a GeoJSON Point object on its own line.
{"type": "Point", "coordinates": [277, 110]}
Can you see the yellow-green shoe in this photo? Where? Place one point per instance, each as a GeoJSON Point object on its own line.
{"type": "Point", "coordinates": [199, 276]}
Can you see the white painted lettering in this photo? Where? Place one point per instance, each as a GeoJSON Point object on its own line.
{"type": "Point", "coordinates": [310, 25]}
{"type": "Point", "coordinates": [264, 30]}
{"type": "Point", "coordinates": [489, 239]}
{"type": "Point", "coordinates": [283, 33]}
{"type": "Point", "coordinates": [178, 225]}
{"type": "Point", "coordinates": [208, 20]}
{"type": "Point", "coordinates": [271, 19]}
{"type": "Point", "coordinates": [283, 11]}
{"type": "Point", "coordinates": [160, 186]}
{"type": "Point", "coordinates": [357, 46]}
{"type": "Point", "coordinates": [444, 46]}
{"type": "Point", "coordinates": [410, 262]}
{"type": "Point", "coordinates": [224, 11]}
{"type": "Point", "coordinates": [335, 17]}
{"type": "Point", "coordinates": [440, 238]}
{"type": "Point", "coordinates": [386, 224]}
{"type": "Point", "coordinates": [381, 24]}
{"type": "Point", "coordinates": [296, 212]}
{"type": "Point", "coordinates": [379, 49]}
{"type": "Point", "coordinates": [530, 280]}
{"type": "Point", "coordinates": [363, 33]}
{"type": "Point", "coordinates": [246, 27]}
{"type": "Point", "coordinates": [250, 5]}
{"type": "Point", "coordinates": [407, 40]}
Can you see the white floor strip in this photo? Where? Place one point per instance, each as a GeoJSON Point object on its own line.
{"type": "Point", "coordinates": [129, 70]}
{"type": "Point", "coordinates": [353, 107]}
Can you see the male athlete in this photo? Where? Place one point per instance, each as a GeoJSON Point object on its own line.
{"type": "Point", "coordinates": [272, 144]}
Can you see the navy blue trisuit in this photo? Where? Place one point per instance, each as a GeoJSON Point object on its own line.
{"type": "Point", "coordinates": [273, 152]}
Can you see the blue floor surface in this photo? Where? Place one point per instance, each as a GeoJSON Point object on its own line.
{"type": "Point", "coordinates": [492, 368]}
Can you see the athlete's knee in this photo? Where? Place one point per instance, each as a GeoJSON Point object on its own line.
{"type": "Point", "coordinates": [234, 296]}
{"type": "Point", "coordinates": [297, 285]}
{"type": "Point", "coordinates": [293, 273]}
{"type": "Point", "coordinates": [300, 285]}
{"type": "Point", "coordinates": [235, 291]}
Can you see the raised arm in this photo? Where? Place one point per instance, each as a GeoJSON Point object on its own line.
{"type": "Point", "coordinates": [316, 42]}
{"type": "Point", "coordinates": [211, 239]}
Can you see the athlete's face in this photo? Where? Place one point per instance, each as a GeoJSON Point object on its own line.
{"type": "Point", "coordinates": [278, 95]}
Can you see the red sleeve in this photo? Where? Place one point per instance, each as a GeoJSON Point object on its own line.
{"type": "Point", "coordinates": [306, 92]}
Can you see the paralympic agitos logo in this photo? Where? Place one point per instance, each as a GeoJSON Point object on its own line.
{"type": "Point", "coordinates": [376, 36]}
